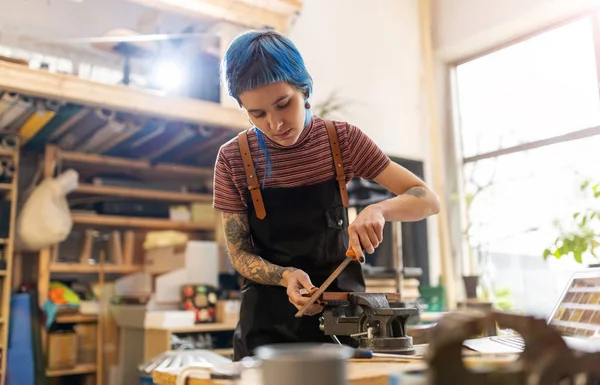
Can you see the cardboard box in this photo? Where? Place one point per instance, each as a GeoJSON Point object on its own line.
{"type": "Point", "coordinates": [228, 311]}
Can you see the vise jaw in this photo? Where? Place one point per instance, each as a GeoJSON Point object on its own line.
{"type": "Point", "coordinates": [376, 320]}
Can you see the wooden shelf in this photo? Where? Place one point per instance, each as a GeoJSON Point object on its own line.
{"type": "Point", "coordinates": [6, 186]}
{"type": "Point", "coordinates": [76, 318]}
{"type": "Point", "coordinates": [145, 223]}
{"type": "Point", "coordinates": [127, 192]}
{"type": "Point", "coordinates": [69, 88]}
{"type": "Point", "coordinates": [199, 328]}
{"type": "Point", "coordinates": [61, 267]}
{"type": "Point", "coordinates": [140, 167]}
{"type": "Point", "coordinates": [6, 151]}
{"type": "Point", "coordinates": [224, 352]}
{"type": "Point", "coordinates": [79, 369]}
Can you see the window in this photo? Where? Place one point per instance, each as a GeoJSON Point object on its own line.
{"type": "Point", "coordinates": [539, 88]}
{"type": "Point", "coordinates": [528, 117]}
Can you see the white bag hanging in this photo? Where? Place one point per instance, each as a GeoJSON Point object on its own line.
{"type": "Point", "coordinates": [45, 218]}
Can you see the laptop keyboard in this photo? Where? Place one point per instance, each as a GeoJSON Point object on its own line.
{"type": "Point", "coordinates": [514, 342]}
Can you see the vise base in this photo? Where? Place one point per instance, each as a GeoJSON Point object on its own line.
{"type": "Point", "coordinates": [375, 320]}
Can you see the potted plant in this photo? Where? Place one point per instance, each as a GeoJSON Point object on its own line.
{"type": "Point", "coordinates": [583, 235]}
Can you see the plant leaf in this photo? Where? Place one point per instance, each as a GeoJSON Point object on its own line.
{"type": "Point", "coordinates": [547, 253]}
{"type": "Point", "coordinates": [585, 184]}
{"type": "Point", "coordinates": [577, 255]}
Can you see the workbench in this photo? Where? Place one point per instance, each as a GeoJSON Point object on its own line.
{"type": "Point", "coordinates": [375, 371]}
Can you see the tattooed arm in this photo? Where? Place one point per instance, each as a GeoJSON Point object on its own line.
{"type": "Point", "coordinates": [414, 201]}
{"type": "Point", "coordinates": [252, 266]}
{"type": "Point", "coordinates": [248, 264]}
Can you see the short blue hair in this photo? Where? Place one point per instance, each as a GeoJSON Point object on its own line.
{"type": "Point", "coordinates": [257, 58]}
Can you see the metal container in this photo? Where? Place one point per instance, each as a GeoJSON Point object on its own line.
{"type": "Point", "coordinates": [304, 364]}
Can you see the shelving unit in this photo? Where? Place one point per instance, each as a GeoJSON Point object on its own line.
{"type": "Point", "coordinates": [56, 158]}
{"type": "Point", "coordinates": [7, 245]}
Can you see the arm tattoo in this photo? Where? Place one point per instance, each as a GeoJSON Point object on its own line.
{"type": "Point", "coordinates": [248, 264]}
{"type": "Point", "coordinates": [417, 192]}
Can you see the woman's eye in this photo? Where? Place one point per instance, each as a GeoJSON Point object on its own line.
{"type": "Point", "coordinates": [282, 106]}
{"type": "Point", "coordinates": [259, 115]}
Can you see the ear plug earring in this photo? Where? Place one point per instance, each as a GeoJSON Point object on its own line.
{"type": "Point", "coordinates": [307, 105]}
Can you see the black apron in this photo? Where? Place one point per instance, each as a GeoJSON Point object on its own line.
{"type": "Point", "coordinates": [306, 228]}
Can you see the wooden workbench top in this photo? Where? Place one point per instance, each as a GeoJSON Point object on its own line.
{"type": "Point", "coordinates": [374, 371]}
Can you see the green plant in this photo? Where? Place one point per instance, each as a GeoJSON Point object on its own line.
{"type": "Point", "coordinates": [584, 237]}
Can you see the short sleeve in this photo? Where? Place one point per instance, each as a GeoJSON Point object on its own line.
{"type": "Point", "coordinates": [367, 158]}
{"type": "Point", "coordinates": [226, 197]}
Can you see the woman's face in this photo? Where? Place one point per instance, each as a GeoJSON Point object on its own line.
{"type": "Point", "coordinates": [277, 109]}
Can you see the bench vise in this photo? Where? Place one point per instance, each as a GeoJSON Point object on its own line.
{"type": "Point", "coordinates": [376, 320]}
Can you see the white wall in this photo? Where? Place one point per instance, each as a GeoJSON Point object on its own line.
{"type": "Point", "coordinates": [468, 27]}
{"type": "Point", "coordinates": [370, 53]}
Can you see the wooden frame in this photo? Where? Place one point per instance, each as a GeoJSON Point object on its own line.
{"type": "Point", "coordinates": [68, 88]}
{"type": "Point", "coordinates": [247, 13]}
{"type": "Point", "coordinates": [8, 255]}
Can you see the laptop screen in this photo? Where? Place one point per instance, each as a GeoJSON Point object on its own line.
{"type": "Point", "coordinates": [578, 313]}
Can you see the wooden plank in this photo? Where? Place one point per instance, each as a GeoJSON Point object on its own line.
{"type": "Point", "coordinates": [233, 11]}
{"type": "Point", "coordinates": [286, 7]}
{"type": "Point", "coordinates": [76, 318]}
{"type": "Point", "coordinates": [143, 194]}
{"type": "Point", "coordinates": [5, 186]}
{"type": "Point", "coordinates": [145, 223]}
{"type": "Point", "coordinates": [69, 88]}
{"type": "Point", "coordinates": [62, 267]}
{"type": "Point", "coordinates": [78, 369]}
{"type": "Point", "coordinates": [207, 327]}
{"type": "Point", "coordinates": [437, 151]}
{"type": "Point", "coordinates": [359, 372]}
{"type": "Point", "coordinates": [6, 151]}
{"type": "Point", "coordinates": [343, 296]}
{"type": "Point", "coordinates": [9, 255]}
{"type": "Point", "coordinates": [157, 170]}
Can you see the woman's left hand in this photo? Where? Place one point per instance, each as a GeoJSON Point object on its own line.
{"type": "Point", "coordinates": [366, 231]}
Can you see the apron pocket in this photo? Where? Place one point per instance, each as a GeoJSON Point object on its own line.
{"type": "Point", "coordinates": [337, 218]}
{"type": "Point", "coordinates": [336, 239]}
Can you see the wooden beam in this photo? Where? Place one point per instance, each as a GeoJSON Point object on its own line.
{"type": "Point", "coordinates": [436, 151]}
{"type": "Point", "coordinates": [286, 7]}
{"type": "Point", "coordinates": [234, 11]}
{"type": "Point", "coordinates": [69, 88]}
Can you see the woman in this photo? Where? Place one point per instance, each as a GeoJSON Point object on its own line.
{"type": "Point", "coordinates": [281, 186]}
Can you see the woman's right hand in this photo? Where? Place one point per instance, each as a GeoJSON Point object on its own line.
{"type": "Point", "coordinates": [297, 283]}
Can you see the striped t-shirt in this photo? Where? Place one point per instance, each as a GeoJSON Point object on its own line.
{"type": "Point", "coordinates": [308, 161]}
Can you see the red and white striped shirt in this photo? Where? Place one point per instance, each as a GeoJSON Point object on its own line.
{"type": "Point", "coordinates": [308, 161]}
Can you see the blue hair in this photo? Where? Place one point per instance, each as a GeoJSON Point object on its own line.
{"type": "Point", "coordinates": [256, 58]}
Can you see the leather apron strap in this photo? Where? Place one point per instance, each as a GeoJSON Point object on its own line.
{"type": "Point", "coordinates": [251, 178]}
{"type": "Point", "coordinates": [337, 160]}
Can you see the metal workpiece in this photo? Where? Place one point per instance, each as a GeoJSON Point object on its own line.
{"type": "Point", "coordinates": [372, 320]}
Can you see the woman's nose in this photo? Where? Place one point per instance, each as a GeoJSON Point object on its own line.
{"type": "Point", "coordinates": [275, 123]}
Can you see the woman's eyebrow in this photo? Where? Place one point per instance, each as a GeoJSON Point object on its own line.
{"type": "Point", "coordinates": [279, 99]}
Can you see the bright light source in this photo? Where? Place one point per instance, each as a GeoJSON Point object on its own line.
{"type": "Point", "coordinates": [168, 75]}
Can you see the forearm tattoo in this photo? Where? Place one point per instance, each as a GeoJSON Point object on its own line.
{"type": "Point", "coordinates": [417, 192]}
{"type": "Point", "coordinates": [248, 264]}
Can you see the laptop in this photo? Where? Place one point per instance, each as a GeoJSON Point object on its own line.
{"type": "Point", "coordinates": [576, 315]}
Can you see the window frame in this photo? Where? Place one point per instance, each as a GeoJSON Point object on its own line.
{"type": "Point", "coordinates": [454, 133]}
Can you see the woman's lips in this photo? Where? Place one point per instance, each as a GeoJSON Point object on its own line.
{"type": "Point", "coordinates": [284, 135]}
